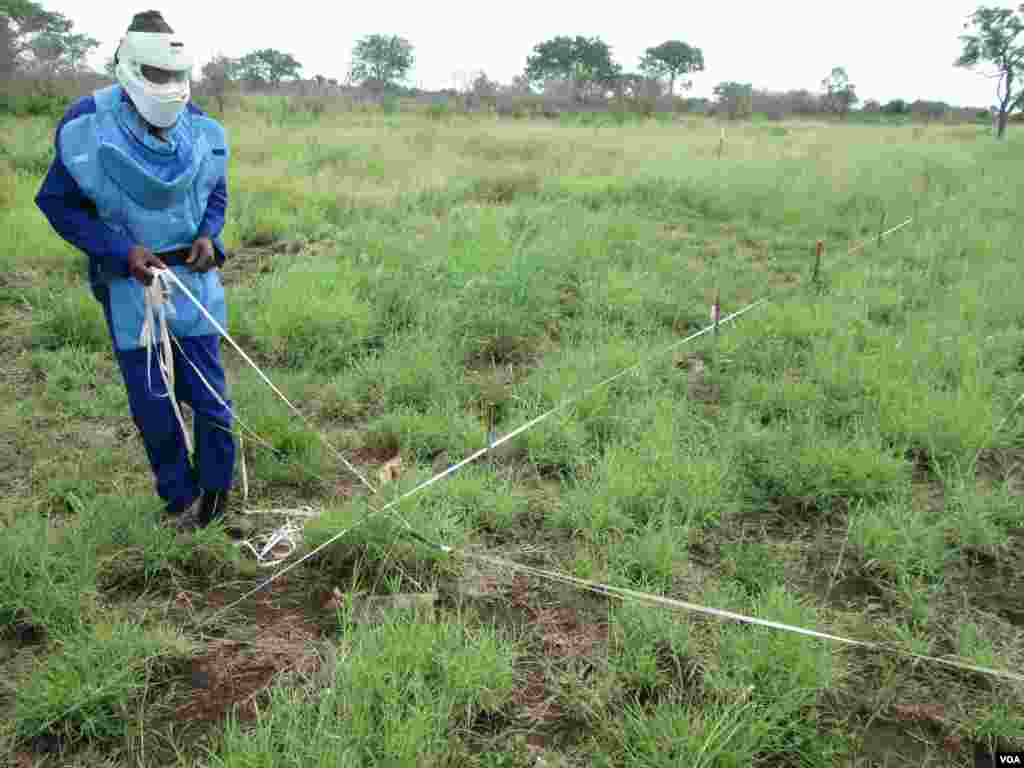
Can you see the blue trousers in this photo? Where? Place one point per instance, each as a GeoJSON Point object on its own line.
{"type": "Point", "coordinates": [178, 482]}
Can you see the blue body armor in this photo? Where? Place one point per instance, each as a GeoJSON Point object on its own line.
{"type": "Point", "coordinates": [155, 192]}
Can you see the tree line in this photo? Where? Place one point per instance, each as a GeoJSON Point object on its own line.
{"type": "Point", "coordinates": [576, 69]}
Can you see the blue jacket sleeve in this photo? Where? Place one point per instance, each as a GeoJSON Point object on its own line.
{"type": "Point", "coordinates": [216, 207]}
{"type": "Point", "coordinates": [213, 220]}
{"type": "Point", "coordinates": [73, 215]}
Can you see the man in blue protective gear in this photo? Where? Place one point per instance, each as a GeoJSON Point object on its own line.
{"type": "Point", "coordinates": [139, 184]}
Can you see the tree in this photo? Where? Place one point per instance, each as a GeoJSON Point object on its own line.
{"type": "Point", "coordinates": [896, 107]}
{"type": "Point", "coordinates": [584, 62]}
{"type": "Point", "coordinates": [34, 39]}
{"type": "Point", "coordinates": [929, 110]}
{"type": "Point", "coordinates": [636, 87]}
{"type": "Point", "coordinates": [520, 84]}
{"type": "Point", "coordinates": [268, 66]}
{"type": "Point", "coordinates": [220, 74]}
{"type": "Point", "coordinates": [483, 90]}
{"type": "Point", "coordinates": [672, 59]}
{"type": "Point", "coordinates": [735, 98]}
{"type": "Point", "coordinates": [381, 60]}
{"type": "Point", "coordinates": [840, 93]}
{"type": "Point", "coordinates": [993, 40]}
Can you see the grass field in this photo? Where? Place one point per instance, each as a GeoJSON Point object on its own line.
{"type": "Point", "coordinates": [832, 462]}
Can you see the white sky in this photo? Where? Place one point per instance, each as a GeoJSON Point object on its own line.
{"type": "Point", "coordinates": [892, 49]}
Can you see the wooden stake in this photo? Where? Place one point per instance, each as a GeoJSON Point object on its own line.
{"type": "Point", "coordinates": [721, 144]}
{"type": "Point", "coordinates": [716, 316]}
{"type": "Point", "coordinates": [817, 261]}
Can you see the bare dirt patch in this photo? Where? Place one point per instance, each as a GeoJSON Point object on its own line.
{"type": "Point", "coordinates": [260, 256]}
{"type": "Point", "coordinates": [1003, 466]}
{"type": "Point", "coordinates": [997, 587]}
{"type": "Point", "coordinates": [700, 387]}
{"type": "Point", "coordinates": [232, 674]}
{"type": "Point", "coordinates": [279, 636]}
{"type": "Point", "coordinates": [899, 732]}
{"type": "Point", "coordinates": [563, 638]}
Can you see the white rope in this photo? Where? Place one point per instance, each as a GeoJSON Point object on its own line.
{"type": "Point", "coordinates": [289, 534]}
{"type": "Point", "coordinates": [245, 474]}
{"type": "Point", "coordinates": [307, 512]}
{"type": "Point", "coordinates": [155, 336]}
{"type": "Point", "coordinates": [263, 376]}
{"type": "Point", "coordinates": [883, 235]}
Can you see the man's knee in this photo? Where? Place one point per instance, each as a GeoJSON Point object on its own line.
{"type": "Point", "coordinates": [142, 381]}
{"type": "Point", "coordinates": [213, 412]}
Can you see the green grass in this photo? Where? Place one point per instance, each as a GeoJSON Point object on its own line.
{"type": "Point", "coordinates": [89, 688]}
{"type": "Point", "coordinates": [819, 463]}
{"type": "Point", "coordinates": [400, 692]}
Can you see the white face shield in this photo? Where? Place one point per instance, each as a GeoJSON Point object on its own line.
{"type": "Point", "coordinates": [154, 68]}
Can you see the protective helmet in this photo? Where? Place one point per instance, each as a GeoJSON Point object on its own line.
{"type": "Point", "coordinates": [154, 68]}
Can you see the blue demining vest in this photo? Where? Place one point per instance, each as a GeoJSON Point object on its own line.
{"type": "Point", "coordinates": [154, 192]}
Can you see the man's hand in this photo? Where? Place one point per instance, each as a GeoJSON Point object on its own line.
{"type": "Point", "coordinates": [141, 263]}
{"type": "Point", "coordinates": [202, 258]}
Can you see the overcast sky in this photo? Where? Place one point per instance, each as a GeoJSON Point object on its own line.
{"type": "Point", "coordinates": [891, 49]}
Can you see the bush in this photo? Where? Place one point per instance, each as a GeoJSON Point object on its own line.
{"type": "Point", "coordinates": [438, 111]}
{"type": "Point", "coordinates": [44, 97]}
{"type": "Point", "coordinates": [33, 103]}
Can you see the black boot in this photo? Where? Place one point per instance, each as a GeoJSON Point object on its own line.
{"type": "Point", "coordinates": [212, 507]}
{"type": "Point", "coordinates": [179, 514]}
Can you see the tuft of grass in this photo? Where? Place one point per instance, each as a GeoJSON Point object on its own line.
{"type": "Point", "coordinates": [754, 705]}
{"type": "Point", "coordinates": [901, 540]}
{"type": "Point", "coordinates": [670, 735]}
{"type": "Point", "coordinates": [801, 466]}
{"type": "Point", "coordinates": [52, 577]}
{"type": "Point", "coordinates": [979, 519]}
{"type": "Point", "coordinates": [73, 319]}
{"type": "Point", "coordinates": [399, 694]}
{"type": "Point", "coordinates": [40, 584]}
{"type": "Point", "coordinates": [753, 565]}
{"type": "Point", "coordinates": [80, 381]}
{"type": "Point", "coordinates": [373, 546]}
{"type": "Point", "coordinates": [479, 501]}
{"type": "Point", "coordinates": [652, 659]}
{"type": "Point", "coordinates": [8, 185]}
{"type": "Point", "coordinates": [135, 554]}
{"type": "Point", "coordinates": [443, 428]}
{"type": "Point", "coordinates": [659, 469]}
{"type": "Point", "coordinates": [651, 557]}
{"type": "Point", "coordinates": [503, 189]}
{"type": "Point", "coordinates": [306, 316]}
{"type": "Point", "coordinates": [782, 668]}
{"type": "Point", "coordinates": [88, 691]}
{"type": "Point", "coordinates": [413, 372]}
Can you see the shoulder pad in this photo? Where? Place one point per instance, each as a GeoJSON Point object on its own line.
{"type": "Point", "coordinates": [108, 98]}
{"type": "Point", "coordinates": [213, 131]}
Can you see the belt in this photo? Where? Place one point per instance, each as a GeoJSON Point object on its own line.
{"type": "Point", "coordinates": [175, 258]}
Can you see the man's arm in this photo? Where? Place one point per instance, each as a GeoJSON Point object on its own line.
{"type": "Point", "coordinates": [216, 207]}
{"type": "Point", "coordinates": [73, 215]}
{"type": "Point", "coordinates": [213, 220]}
